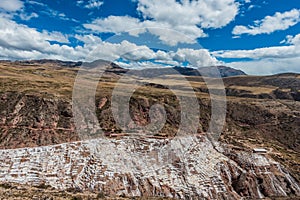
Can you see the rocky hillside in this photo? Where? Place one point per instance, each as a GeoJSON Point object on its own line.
{"type": "Point", "coordinates": [36, 111]}
{"type": "Point", "coordinates": [281, 86]}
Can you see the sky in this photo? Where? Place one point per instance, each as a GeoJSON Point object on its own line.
{"type": "Point", "coordinates": [260, 37]}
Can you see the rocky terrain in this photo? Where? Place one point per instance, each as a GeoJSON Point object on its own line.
{"type": "Point", "coordinates": [36, 111]}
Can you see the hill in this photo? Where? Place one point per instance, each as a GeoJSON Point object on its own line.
{"type": "Point", "coordinates": [36, 111]}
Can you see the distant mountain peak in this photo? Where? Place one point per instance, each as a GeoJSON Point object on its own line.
{"type": "Point", "coordinates": [222, 71]}
{"type": "Point", "coordinates": [51, 62]}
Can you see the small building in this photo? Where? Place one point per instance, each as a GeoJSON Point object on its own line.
{"type": "Point", "coordinates": [259, 150]}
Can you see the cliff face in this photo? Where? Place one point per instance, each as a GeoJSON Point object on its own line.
{"type": "Point", "coordinates": [258, 176]}
{"type": "Point", "coordinates": [185, 168]}
{"type": "Point", "coordinates": [29, 120]}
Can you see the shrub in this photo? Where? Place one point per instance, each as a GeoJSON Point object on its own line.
{"type": "Point", "coordinates": [101, 195]}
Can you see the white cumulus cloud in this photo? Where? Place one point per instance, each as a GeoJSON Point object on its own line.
{"type": "Point", "coordinates": [94, 4]}
{"type": "Point", "coordinates": [259, 53]}
{"type": "Point", "coordinates": [114, 24]}
{"type": "Point", "coordinates": [91, 4]}
{"type": "Point", "coordinates": [185, 16]}
{"type": "Point", "coordinates": [268, 60]}
{"type": "Point", "coordinates": [279, 21]}
{"type": "Point", "coordinates": [206, 13]}
{"type": "Point", "coordinates": [196, 57]}
{"type": "Point", "coordinates": [295, 40]}
{"type": "Point", "coordinates": [21, 42]}
{"type": "Point", "coordinates": [268, 66]}
{"type": "Point", "coordinates": [11, 5]}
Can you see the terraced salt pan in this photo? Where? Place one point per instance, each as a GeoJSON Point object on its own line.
{"type": "Point", "coordinates": [182, 167]}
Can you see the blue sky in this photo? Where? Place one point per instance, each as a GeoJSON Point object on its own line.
{"type": "Point", "coordinates": [259, 37]}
